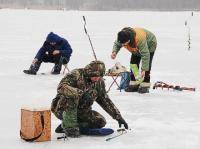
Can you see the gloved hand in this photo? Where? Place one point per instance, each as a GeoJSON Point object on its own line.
{"type": "Point", "coordinates": [86, 99]}
{"type": "Point", "coordinates": [72, 132]}
{"type": "Point", "coordinates": [86, 95]}
{"type": "Point", "coordinates": [90, 94]}
{"type": "Point", "coordinates": [121, 121]}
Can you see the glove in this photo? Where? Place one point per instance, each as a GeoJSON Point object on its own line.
{"type": "Point", "coordinates": [72, 132]}
{"type": "Point", "coordinates": [121, 121]}
{"type": "Point", "coordinates": [86, 100]}
{"type": "Point", "coordinates": [86, 95]}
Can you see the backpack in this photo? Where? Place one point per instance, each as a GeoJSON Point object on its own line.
{"type": "Point", "coordinates": [125, 79]}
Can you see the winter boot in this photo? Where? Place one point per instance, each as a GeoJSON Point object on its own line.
{"type": "Point", "coordinates": [69, 132]}
{"type": "Point", "coordinates": [72, 132]}
{"type": "Point", "coordinates": [56, 69]}
{"type": "Point", "coordinates": [33, 68]}
{"type": "Point", "coordinates": [144, 87]}
{"type": "Point", "coordinates": [59, 129]}
{"type": "Point", "coordinates": [133, 86]}
{"type": "Point", "coordinates": [69, 123]}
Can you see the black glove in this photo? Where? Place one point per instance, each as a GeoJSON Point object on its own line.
{"type": "Point", "coordinates": [86, 95]}
{"type": "Point", "coordinates": [72, 132]}
{"type": "Point", "coordinates": [86, 100]}
{"type": "Point", "coordinates": [122, 121]}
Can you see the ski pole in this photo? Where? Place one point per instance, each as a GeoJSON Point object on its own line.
{"type": "Point", "coordinates": [89, 38]}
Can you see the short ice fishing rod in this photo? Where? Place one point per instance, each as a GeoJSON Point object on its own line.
{"type": "Point", "coordinates": [120, 133]}
{"type": "Point", "coordinates": [89, 38]}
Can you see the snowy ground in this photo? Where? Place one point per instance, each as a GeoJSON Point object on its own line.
{"type": "Point", "coordinates": [161, 119]}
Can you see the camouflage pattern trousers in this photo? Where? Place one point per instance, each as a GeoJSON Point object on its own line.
{"type": "Point", "coordinates": [82, 116]}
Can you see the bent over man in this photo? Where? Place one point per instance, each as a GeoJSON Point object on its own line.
{"type": "Point", "coordinates": [142, 45]}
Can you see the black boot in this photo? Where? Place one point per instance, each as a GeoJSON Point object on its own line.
{"type": "Point", "coordinates": [143, 90]}
{"type": "Point", "coordinates": [56, 69]}
{"type": "Point", "coordinates": [33, 68]}
{"type": "Point", "coordinates": [132, 87]}
{"type": "Point", "coordinates": [144, 87]}
{"type": "Point", "coordinates": [72, 132]}
{"type": "Point", "coordinates": [59, 129]}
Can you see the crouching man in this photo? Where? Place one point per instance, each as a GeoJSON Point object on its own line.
{"type": "Point", "coordinates": [76, 94]}
{"type": "Point", "coordinates": [55, 50]}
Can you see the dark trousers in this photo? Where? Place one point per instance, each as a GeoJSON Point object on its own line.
{"type": "Point", "coordinates": [51, 58]}
{"type": "Point", "coordinates": [135, 59]}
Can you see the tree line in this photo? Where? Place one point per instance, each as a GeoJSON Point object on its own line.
{"type": "Point", "coordinates": [103, 4]}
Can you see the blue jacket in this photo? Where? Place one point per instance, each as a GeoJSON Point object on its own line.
{"type": "Point", "coordinates": [61, 44]}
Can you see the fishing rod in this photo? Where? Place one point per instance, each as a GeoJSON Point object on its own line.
{"type": "Point", "coordinates": [89, 38]}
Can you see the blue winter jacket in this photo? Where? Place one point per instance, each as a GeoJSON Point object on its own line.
{"type": "Point", "coordinates": [61, 44]}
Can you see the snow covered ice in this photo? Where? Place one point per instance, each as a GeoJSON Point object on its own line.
{"type": "Point", "coordinates": [161, 119]}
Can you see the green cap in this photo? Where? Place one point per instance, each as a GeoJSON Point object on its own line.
{"type": "Point", "coordinates": [95, 69]}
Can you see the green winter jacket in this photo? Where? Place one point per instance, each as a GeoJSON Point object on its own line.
{"type": "Point", "coordinates": [143, 43]}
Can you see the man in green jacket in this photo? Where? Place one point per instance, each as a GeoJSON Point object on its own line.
{"type": "Point", "coordinates": [142, 45]}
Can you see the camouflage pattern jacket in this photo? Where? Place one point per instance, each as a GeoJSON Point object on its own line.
{"type": "Point", "coordinates": [77, 86]}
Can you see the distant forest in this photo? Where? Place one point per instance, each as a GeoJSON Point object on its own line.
{"type": "Point", "coordinates": [104, 5]}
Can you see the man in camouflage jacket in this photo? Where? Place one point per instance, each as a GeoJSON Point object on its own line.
{"type": "Point", "coordinates": [142, 45]}
{"type": "Point", "coordinates": [76, 93]}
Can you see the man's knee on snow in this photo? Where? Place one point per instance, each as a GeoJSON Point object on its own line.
{"type": "Point", "coordinates": [100, 122]}
{"type": "Point", "coordinates": [91, 119]}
